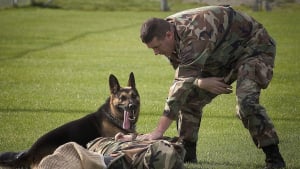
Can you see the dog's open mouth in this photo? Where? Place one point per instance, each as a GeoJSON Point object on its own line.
{"type": "Point", "coordinates": [128, 120]}
{"type": "Point", "coordinates": [129, 117]}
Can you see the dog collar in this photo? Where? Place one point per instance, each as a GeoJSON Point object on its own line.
{"type": "Point", "coordinates": [118, 122]}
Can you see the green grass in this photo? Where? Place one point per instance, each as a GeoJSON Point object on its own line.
{"type": "Point", "coordinates": [115, 5]}
{"type": "Point", "coordinates": [54, 67]}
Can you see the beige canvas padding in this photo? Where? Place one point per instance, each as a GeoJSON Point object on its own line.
{"type": "Point", "coordinates": [72, 156]}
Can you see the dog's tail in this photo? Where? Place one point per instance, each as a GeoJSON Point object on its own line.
{"type": "Point", "coordinates": [14, 160]}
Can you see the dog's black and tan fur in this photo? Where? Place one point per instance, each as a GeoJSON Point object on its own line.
{"type": "Point", "coordinates": [118, 114]}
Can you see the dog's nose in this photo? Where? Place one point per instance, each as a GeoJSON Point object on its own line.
{"type": "Point", "coordinates": [131, 106]}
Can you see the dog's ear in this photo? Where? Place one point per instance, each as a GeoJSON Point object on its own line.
{"type": "Point", "coordinates": [113, 84]}
{"type": "Point", "coordinates": [131, 81]}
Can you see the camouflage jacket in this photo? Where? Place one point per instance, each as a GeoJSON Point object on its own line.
{"type": "Point", "coordinates": [211, 41]}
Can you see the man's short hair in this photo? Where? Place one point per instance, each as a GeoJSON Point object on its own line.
{"type": "Point", "coordinates": [154, 27]}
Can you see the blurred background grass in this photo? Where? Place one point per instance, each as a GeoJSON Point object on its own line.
{"type": "Point", "coordinates": [55, 63]}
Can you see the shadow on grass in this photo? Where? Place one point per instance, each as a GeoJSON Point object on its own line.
{"type": "Point", "coordinates": [225, 165]}
{"type": "Point", "coordinates": [232, 117]}
{"type": "Point", "coordinates": [76, 37]}
{"type": "Point", "coordinates": [47, 110]}
{"type": "Point", "coordinates": [144, 113]}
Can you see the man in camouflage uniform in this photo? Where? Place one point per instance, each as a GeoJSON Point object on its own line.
{"type": "Point", "coordinates": [210, 48]}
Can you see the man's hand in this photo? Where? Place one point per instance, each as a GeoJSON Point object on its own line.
{"type": "Point", "coordinates": [122, 137]}
{"type": "Point", "coordinates": [214, 85]}
{"type": "Point", "coordinates": [150, 136]}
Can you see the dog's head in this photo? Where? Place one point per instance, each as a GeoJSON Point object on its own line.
{"type": "Point", "coordinates": [125, 102]}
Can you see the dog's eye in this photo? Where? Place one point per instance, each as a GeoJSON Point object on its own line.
{"type": "Point", "coordinates": [133, 95]}
{"type": "Point", "coordinates": [122, 98]}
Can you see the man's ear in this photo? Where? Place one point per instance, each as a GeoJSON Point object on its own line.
{"type": "Point", "coordinates": [170, 34]}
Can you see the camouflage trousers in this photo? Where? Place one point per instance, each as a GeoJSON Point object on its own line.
{"type": "Point", "coordinates": [251, 75]}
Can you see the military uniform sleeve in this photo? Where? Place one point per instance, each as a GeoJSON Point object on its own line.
{"type": "Point", "coordinates": [194, 48]}
{"type": "Point", "coordinates": [177, 96]}
{"type": "Point", "coordinates": [186, 73]}
{"type": "Point", "coordinates": [199, 33]}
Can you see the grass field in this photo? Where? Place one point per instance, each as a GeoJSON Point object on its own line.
{"type": "Point", "coordinates": [54, 67]}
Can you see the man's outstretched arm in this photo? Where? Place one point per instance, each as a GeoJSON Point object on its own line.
{"type": "Point", "coordinates": [163, 124]}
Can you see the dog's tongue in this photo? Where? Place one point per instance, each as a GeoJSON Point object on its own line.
{"type": "Point", "coordinates": [126, 122]}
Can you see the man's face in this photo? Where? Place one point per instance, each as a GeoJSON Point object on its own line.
{"type": "Point", "coordinates": [164, 46]}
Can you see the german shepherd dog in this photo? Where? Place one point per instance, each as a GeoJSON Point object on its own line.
{"type": "Point", "coordinates": [119, 113]}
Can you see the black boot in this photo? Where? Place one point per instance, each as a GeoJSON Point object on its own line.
{"type": "Point", "coordinates": [190, 148]}
{"type": "Point", "coordinates": [274, 159]}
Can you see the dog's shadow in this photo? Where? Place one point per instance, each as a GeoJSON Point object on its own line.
{"type": "Point", "coordinates": [220, 165]}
